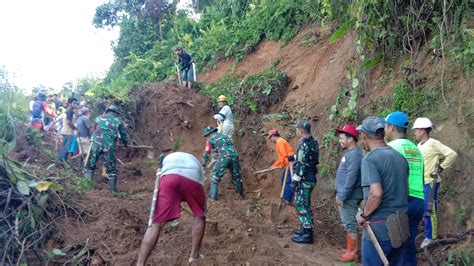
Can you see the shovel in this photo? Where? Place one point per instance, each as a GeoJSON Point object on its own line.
{"type": "Point", "coordinates": [264, 171]}
{"type": "Point", "coordinates": [150, 154]}
{"type": "Point", "coordinates": [276, 213]}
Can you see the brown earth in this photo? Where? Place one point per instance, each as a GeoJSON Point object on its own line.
{"type": "Point", "coordinates": [114, 226]}
{"type": "Point", "coordinates": [168, 116]}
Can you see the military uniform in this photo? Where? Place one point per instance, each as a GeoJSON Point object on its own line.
{"type": "Point", "coordinates": [305, 166]}
{"type": "Point", "coordinates": [303, 181]}
{"type": "Point", "coordinates": [228, 158]}
{"type": "Point", "coordinates": [103, 141]}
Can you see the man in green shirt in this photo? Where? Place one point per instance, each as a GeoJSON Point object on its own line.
{"type": "Point", "coordinates": [396, 125]}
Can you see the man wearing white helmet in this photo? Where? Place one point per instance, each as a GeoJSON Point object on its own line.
{"type": "Point", "coordinates": [224, 117]}
{"type": "Point", "coordinates": [432, 150]}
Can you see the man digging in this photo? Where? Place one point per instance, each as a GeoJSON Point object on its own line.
{"type": "Point", "coordinates": [228, 158]}
{"type": "Point", "coordinates": [180, 178]}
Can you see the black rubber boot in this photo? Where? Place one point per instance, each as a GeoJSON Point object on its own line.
{"type": "Point", "coordinates": [299, 232]}
{"type": "Point", "coordinates": [214, 191]}
{"type": "Point", "coordinates": [306, 238]}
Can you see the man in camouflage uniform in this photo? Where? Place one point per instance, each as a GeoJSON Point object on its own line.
{"type": "Point", "coordinates": [108, 127]}
{"type": "Point", "coordinates": [304, 180]}
{"type": "Point", "coordinates": [228, 158]}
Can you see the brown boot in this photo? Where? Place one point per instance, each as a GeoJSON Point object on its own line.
{"type": "Point", "coordinates": [351, 252]}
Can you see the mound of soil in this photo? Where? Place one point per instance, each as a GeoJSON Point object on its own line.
{"type": "Point", "coordinates": [171, 117]}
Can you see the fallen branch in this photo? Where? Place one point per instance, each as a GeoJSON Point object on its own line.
{"type": "Point", "coordinates": [444, 241]}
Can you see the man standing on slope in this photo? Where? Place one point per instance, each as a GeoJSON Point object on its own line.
{"type": "Point", "coordinates": [396, 125]}
{"type": "Point", "coordinates": [104, 139]}
{"type": "Point", "coordinates": [304, 180]}
{"type": "Point", "coordinates": [285, 154]}
{"type": "Point", "coordinates": [385, 185]}
{"type": "Point", "coordinates": [185, 63]}
{"type": "Point", "coordinates": [179, 178]}
{"type": "Point", "coordinates": [228, 159]}
{"type": "Point", "coordinates": [68, 128]}
{"type": "Point", "coordinates": [224, 118]}
{"type": "Point", "coordinates": [348, 189]}
{"type": "Point", "coordinates": [432, 151]}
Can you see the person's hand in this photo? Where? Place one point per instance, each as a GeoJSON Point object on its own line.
{"type": "Point", "coordinates": [296, 178]}
{"type": "Point", "coordinates": [440, 169]}
{"type": "Point", "coordinates": [339, 202]}
{"type": "Point", "coordinates": [360, 220]}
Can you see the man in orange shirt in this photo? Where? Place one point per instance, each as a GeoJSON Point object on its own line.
{"type": "Point", "coordinates": [285, 155]}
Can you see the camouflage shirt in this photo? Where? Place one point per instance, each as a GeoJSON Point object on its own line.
{"type": "Point", "coordinates": [307, 159]}
{"type": "Point", "coordinates": [108, 128]}
{"type": "Point", "coordinates": [221, 144]}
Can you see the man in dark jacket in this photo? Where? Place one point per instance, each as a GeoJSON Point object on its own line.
{"type": "Point", "coordinates": [304, 180]}
{"type": "Point", "coordinates": [348, 189]}
{"type": "Point", "coordinates": [186, 66]}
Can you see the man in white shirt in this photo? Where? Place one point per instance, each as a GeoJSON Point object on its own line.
{"type": "Point", "coordinates": [180, 178]}
{"type": "Point", "coordinates": [225, 123]}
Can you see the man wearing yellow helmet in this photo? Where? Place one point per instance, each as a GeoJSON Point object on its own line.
{"type": "Point", "coordinates": [224, 118]}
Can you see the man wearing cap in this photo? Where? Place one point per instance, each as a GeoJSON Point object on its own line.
{"type": "Point", "coordinates": [396, 125]}
{"type": "Point", "coordinates": [228, 158]}
{"type": "Point", "coordinates": [179, 178]}
{"type": "Point", "coordinates": [224, 117]}
{"type": "Point", "coordinates": [304, 180]}
{"type": "Point", "coordinates": [185, 62]}
{"type": "Point", "coordinates": [385, 186]}
{"type": "Point", "coordinates": [348, 189]}
{"type": "Point", "coordinates": [109, 127]}
{"type": "Point", "coordinates": [433, 150]}
{"type": "Point", "coordinates": [285, 154]}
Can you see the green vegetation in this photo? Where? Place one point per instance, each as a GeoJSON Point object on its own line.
{"type": "Point", "coordinates": [252, 93]}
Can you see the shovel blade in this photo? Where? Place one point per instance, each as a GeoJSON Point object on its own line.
{"type": "Point", "coordinates": [278, 213]}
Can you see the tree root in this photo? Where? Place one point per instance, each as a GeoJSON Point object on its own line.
{"type": "Point", "coordinates": [444, 241]}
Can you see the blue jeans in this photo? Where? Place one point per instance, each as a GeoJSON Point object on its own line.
{"type": "Point", "coordinates": [370, 257]}
{"type": "Point", "coordinates": [288, 193]}
{"type": "Point", "coordinates": [431, 226]}
{"type": "Point", "coordinates": [65, 147]}
{"type": "Point", "coordinates": [415, 214]}
{"type": "Point", "coordinates": [348, 212]}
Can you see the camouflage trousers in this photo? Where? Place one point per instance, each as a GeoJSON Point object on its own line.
{"type": "Point", "coordinates": [303, 191]}
{"type": "Point", "coordinates": [224, 163]}
{"type": "Point", "coordinates": [98, 152]}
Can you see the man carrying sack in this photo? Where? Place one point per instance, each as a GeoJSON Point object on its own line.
{"type": "Point", "coordinates": [181, 178]}
{"type": "Point", "coordinates": [385, 185]}
{"type": "Point", "coordinates": [285, 155]}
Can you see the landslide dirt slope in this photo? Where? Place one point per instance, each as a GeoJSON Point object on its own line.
{"type": "Point", "coordinates": [168, 115]}
{"type": "Point", "coordinates": [114, 226]}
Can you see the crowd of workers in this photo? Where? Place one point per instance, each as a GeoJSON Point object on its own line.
{"type": "Point", "coordinates": [397, 182]}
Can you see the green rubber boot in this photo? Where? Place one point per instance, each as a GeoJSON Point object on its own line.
{"type": "Point", "coordinates": [240, 189]}
{"type": "Point", "coordinates": [112, 183]}
{"type": "Point", "coordinates": [214, 191]}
